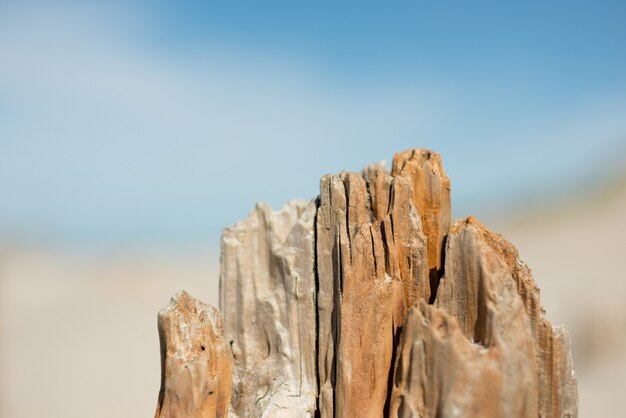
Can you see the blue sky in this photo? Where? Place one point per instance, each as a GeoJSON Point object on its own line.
{"type": "Point", "coordinates": [166, 121]}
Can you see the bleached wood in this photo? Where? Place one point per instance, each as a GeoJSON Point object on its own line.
{"type": "Point", "coordinates": [268, 299]}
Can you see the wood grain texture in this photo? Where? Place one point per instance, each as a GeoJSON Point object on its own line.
{"type": "Point", "coordinates": [196, 363]}
{"type": "Point", "coordinates": [480, 351]}
{"type": "Point", "coordinates": [360, 301]}
{"type": "Point", "coordinates": [372, 264]}
{"type": "Point", "coordinates": [268, 299]}
{"type": "Point", "coordinates": [366, 302]}
{"type": "Point", "coordinates": [470, 248]}
{"type": "Point", "coordinates": [431, 196]}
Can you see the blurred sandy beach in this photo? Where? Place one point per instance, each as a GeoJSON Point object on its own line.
{"type": "Point", "coordinates": [79, 339]}
{"type": "Point", "coordinates": [576, 254]}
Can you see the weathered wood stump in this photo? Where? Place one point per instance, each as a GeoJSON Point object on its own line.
{"type": "Point", "coordinates": [366, 302]}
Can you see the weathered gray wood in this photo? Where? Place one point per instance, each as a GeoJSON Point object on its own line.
{"type": "Point", "coordinates": [196, 364]}
{"type": "Point", "coordinates": [268, 299]}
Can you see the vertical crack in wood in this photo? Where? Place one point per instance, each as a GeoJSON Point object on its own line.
{"type": "Point", "coordinates": [268, 298]}
{"type": "Point", "coordinates": [373, 305]}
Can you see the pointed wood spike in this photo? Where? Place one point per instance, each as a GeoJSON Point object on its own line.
{"type": "Point", "coordinates": [431, 196]}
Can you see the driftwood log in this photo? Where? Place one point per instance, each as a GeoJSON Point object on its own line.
{"type": "Point", "coordinates": [367, 302]}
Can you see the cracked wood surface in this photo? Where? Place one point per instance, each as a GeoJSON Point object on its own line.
{"type": "Point", "coordinates": [367, 303]}
{"type": "Point", "coordinates": [473, 256]}
{"type": "Point", "coordinates": [196, 364]}
{"type": "Point", "coordinates": [431, 196]}
{"type": "Point", "coordinates": [471, 354]}
{"type": "Point", "coordinates": [484, 348]}
{"type": "Point", "coordinates": [372, 263]}
{"type": "Point", "coordinates": [268, 299]}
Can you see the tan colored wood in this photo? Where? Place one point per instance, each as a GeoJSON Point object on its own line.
{"type": "Point", "coordinates": [431, 196]}
{"type": "Point", "coordinates": [472, 254]}
{"type": "Point", "coordinates": [196, 364]}
{"type": "Point", "coordinates": [372, 265]}
{"type": "Point", "coordinates": [484, 349]}
{"type": "Point", "coordinates": [367, 303]}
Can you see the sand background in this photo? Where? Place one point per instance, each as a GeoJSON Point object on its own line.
{"type": "Point", "coordinates": [78, 332]}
